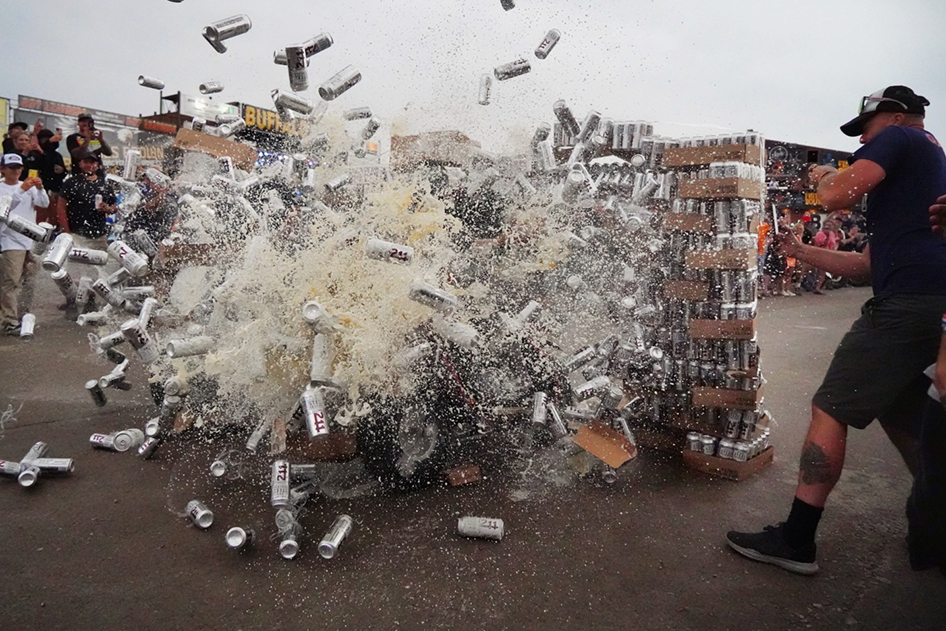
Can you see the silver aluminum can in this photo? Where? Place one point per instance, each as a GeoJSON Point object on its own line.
{"type": "Point", "coordinates": [315, 314]}
{"type": "Point", "coordinates": [58, 253]}
{"type": "Point", "coordinates": [293, 102]}
{"type": "Point", "coordinates": [199, 514]}
{"type": "Point", "coordinates": [111, 340]}
{"type": "Point", "coordinates": [545, 157]}
{"type": "Point", "coordinates": [512, 69]}
{"type": "Point", "coordinates": [27, 228]}
{"type": "Point", "coordinates": [289, 546]}
{"type": "Point", "coordinates": [340, 529]}
{"type": "Point", "coordinates": [733, 421]}
{"type": "Point", "coordinates": [541, 133]}
{"type": "Point", "coordinates": [486, 89]}
{"type": "Point", "coordinates": [741, 452]}
{"type": "Point", "coordinates": [588, 126]}
{"type": "Point", "coordinates": [128, 439]}
{"type": "Point", "coordinates": [323, 354]}
{"type": "Point", "coordinates": [148, 447]}
{"type": "Point", "coordinates": [592, 388]}
{"type": "Point", "coordinates": [547, 44]}
{"type": "Point", "coordinates": [55, 465]}
{"type": "Point", "coordinates": [38, 450]}
{"type": "Point", "coordinates": [226, 169]}
{"type": "Point", "coordinates": [89, 257]}
{"type": "Point", "coordinates": [372, 126]}
{"type": "Point", "coordinates": [210, 87]}
{"type": "Point", "coordinates": [28, 475]}
{"type": "Point", "coordinates": [338, 182]}
{"type": "Point", "coordinates": [708, 444]}
{"type": "Point", "coordinates": [726, 447]}
{"type": "Point", "coordinates": [313, 409]}
{"type": "Point", "coordinates": [112, 380]}
{"type": "Point", "coordinates": [612, 398]}
{"type": "Point", "coordinates": [39, 248]}
{"type": "Point", "coordinates": [228, 129]}
{"type": "Point", "coordinates": [229, 27]}
{"type": "Point", "coordinates": [65, 284]}
{"type": "Point", "coordinates": [240, 538]}
{"type": "Point", "coordinates": [748, 424]}
{"type": "Point", "coordinates": [317, 44]}
{"type": "Point", "coordinates": [579, 359]}
{"type": "Point", "coordinates": [539, 409]}
{"type": "Point", "coordinates": [140, 340]}
{"type": "Point", "coordinates": [170, 405]}
{"type": "Point", "coordinates": [460, 333]}
{"type": "Point", "coordinates": [103, 290]}
{"type": "Point", "coordinates": [303, 470]}
{"type": "Point", "coordinates": [153, 427]}
{"type": "Point", "coordinates": [27, 324]}
{"type": "Point", "coordinates": [146, 314]}
{"type": "Point", "coordinates": [431, 296]}
{"type": "Point", "coordinates": [481, 527]}
{"type": "Point", "coordinates": [693, 441]}
{"type": "Point", "coordinates": [150, 82]}
{"type": "Point", "coordinates": [96, 392]}
{"type": "Point", "coordinates": [129, 259]}
{"type": "Point", "coordinates": [200, 345]}
{"type": "Point", "coordinates": [557, 425]}
{"type": "Point", "coordinates": [388, 251]}
{"type": "Point", "coordinates": [130, 167]}
{"type": "Point", "coordinates": [340, 83]}
{"type": "Point", "coordinates": [508, 5]}
{"type": "Point", "coordinates": [279, 484]}
{"type": "Point", "coordinates": [176, 386]}
{"type": "Point", "coordinates": [118, 277]}
{"type": "Point", "coordinates": [357, 113]}
{"type": "Point", "coordinates": [103, 441]}
{"type": "Point", "coordinates": [198, 123]}
{"type": "Point", "coordinates": [218, 468]}
{"type": "Point", "coordinates": [8, 467]}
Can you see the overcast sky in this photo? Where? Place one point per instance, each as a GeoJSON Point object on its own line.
{"type": "Point", "coordinates": [792, 70]}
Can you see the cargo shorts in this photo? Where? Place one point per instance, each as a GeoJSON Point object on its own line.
{"type": "Point", "coordinates": [877, 369]}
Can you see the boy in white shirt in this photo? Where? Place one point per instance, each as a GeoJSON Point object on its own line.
{"type": "Point", "coordinates": [17, 264]}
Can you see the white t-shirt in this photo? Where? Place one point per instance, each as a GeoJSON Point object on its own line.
{"type": "Point", "coordinates": [24, 204]}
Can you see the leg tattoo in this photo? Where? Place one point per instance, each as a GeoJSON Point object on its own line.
{"type": "Point", "coordinates": [815, 467]}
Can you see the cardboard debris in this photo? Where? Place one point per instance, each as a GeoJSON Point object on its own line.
{"type": "Point", "coordinates": [606, 444]}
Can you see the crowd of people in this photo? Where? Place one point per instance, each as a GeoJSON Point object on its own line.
{"type": "Point", "coordinates": [43, 191]}
{"type": "Point", "coordinates": [780, 275]}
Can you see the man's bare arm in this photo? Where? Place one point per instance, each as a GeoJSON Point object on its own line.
{"type": "Point", "coordinates": [839, 190]}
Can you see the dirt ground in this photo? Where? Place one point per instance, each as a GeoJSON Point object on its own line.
{"type": "Point", "coordinates": [107, 547]}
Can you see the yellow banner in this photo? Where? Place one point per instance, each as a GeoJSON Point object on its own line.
{"type": "Point", "coordinates": [4, 108]}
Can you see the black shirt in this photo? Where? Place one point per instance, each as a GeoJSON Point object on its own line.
{"type": "Point", "coordinates": [84, 219]}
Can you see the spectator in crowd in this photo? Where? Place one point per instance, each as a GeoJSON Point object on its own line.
{"type": "Point", "coordinates": [88, 138]}
{"type": "Point", "coordinates": [78, 211]}
{"type": "Point", "coordinates": [826, 238]}
{"type": "Point", "coordinates": [27, 147]}
{"type": "Point", "coordinates": [17, 264]}
{"type": "Point", "coordinates": [855, 241]}
{"type": "Point", "coordinates": [12, 129]}
{"type": "Point", "coordinates": [53, 171]}
{"type": "Point", "coordinates": [158, 210]}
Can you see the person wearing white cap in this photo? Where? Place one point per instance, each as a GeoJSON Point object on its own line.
{"type": "Point", "coordinates": [878, 369]}
{"type": "Point", "coordinates": [17, 264]}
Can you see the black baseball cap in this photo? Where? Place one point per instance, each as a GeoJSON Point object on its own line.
{"type": "Point", "coordinates": [85, 154]}
{"type": "Point", "coordinates": [896, 98]}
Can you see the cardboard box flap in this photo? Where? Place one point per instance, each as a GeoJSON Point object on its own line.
{"type": "Point", "coordinates": [244, 156]}
{"type": "Point", "coordinates": [606, 444]}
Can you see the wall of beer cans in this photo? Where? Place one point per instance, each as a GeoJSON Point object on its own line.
{"type": "Point", "coordinates": [705, 195]}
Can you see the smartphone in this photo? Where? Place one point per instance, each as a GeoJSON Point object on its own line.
{"type": "Point", "coordinates": [33, 173]}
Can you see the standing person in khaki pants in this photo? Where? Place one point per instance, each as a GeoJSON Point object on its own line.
{"type": "Point", "coordinates": [17, 264]}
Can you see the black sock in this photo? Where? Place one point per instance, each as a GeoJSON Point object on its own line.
{"type": "Point", "coordinates": [799, 529]}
